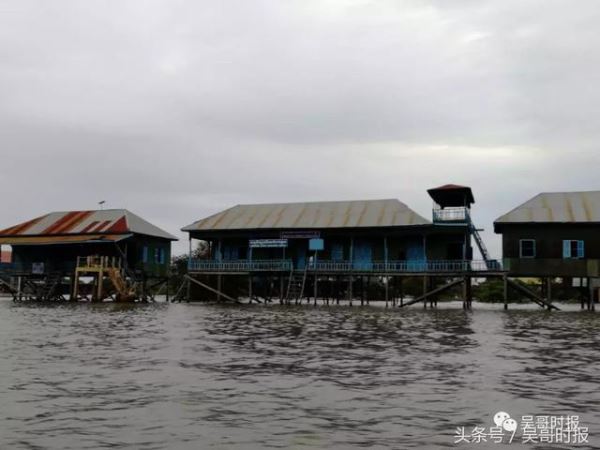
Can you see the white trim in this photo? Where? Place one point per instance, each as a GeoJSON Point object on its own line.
{"type": "Point", "coordinates": [521, 248]}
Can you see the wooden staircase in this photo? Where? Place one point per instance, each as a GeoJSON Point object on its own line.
{"type": "Point", "coordinates": [296, 284]}
{"type": "Point", "coordinates": [126, 291]}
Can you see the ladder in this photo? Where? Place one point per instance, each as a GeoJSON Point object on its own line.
{"type": "Point", "coordinates": [296, 284]}
{"type": "Point", "coordinates": [480, 244]}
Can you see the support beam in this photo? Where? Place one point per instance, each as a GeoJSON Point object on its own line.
{"type": "Point", "coordinates": [211, 289]}
{"type": "Point", "coordinates": [424, 297]}
{"type": "Point", "coordinates": [532, 295]}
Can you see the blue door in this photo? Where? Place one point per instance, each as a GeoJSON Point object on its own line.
{"type": "Point", "coordinates": [415, 255]}
{"type": "Point", "coordinates": [363, 255]}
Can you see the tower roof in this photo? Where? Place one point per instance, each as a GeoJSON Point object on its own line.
{"type": "Point", "coordinates": [452, 195]}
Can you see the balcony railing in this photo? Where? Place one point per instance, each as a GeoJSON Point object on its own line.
{"type": "Point", "coordinates": [243, 265]}
{"type": "Point", "coordinates": [441, 266]}
{"type": "Point", "coordinates": [451, 215]}
{"type": "Point", "coordinates": [407, 266]}
{"type": "Point", "coordinates": [98, 262]}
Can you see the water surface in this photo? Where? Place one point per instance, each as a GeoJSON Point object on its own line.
{"type": "Point", "coordinates": [189, 376]}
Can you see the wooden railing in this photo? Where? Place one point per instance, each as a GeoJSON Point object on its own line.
{"type": "Point", "coordinates": [98, 262]}
{"type": "Point", "coordinates": [440, 266]}
{"type": "Point", "coordinates": [243, 265]}
{"type": "Point", "coordinates": [451, 215]}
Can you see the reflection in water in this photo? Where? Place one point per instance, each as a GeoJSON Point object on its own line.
{"type": "Point", "coordinates": [196, 376]}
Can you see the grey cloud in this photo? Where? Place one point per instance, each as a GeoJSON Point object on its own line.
{"type": "Point", "coordinates": [176, 109]}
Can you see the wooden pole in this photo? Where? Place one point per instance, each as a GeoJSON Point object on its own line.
{"type": "Point", "coordinates": [505, 283]}
{"type": "Point", "coordinates": [591, 294]}
{"type": "Point", "coordinates": [281, 289]}
{"type": "Point", "coordinates": [350, 282]}
{"type": "Point", "coordinates": [425, 283]}
{"type": "Point", "coordinates": [99, 294]}
{"type": "Point", "coordinates": [316, 283]}
{"type": "Point", "coordinates": [219, 287]}
{"type": "Point", "coordinates": [401, 291]}
{"type": "Point", "coordinates": [469, 293]}
{"type": "Point", "coordinates": [549, 291]}
{"type": "Point", "coordinates": [250, 288]}
{"type": "Point", "coordinates": [167, 289]}
{"type": "Point", "coordinates": [362, 290]}
{"type": "Point", "coordinates": [387, 290]}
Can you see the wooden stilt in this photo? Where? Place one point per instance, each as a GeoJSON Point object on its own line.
{"type": "Point", "coordinates": [505, 285]}
{"type": "Point", "coordinates": [549, 291]}
{"type": "Point", "coordinates": [167, 290]}
{"type": "Point", "coordinates": [316, 289]}
{"type": "Point", "coordinates": [350, 283]}
{"type": "Point", "coordinates": [401, 291]}
{"type": "Point", "coordinates": [425, 283]}
{"type": "Point", "coordinates": [75, 287]}
{"type": "Point", "coordinates": [387, 290]}
{"type": "Point", "coordinates": [362, 290]}
{"type": "Point", "coordinates": [219, 287]}
{"type": "Point", "coordinates": [250, 288]}
{"type": "Point", "coordinates": [99, 288]}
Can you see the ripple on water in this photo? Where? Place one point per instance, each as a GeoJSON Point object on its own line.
{"type": "Point", "coordinates": [199, 376]}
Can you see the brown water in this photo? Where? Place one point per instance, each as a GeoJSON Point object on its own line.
{"type": "Point", "coordinates": [199, 376]}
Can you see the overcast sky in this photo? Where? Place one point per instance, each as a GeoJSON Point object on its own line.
{"type": "Point", "coordinates": [178, 109]}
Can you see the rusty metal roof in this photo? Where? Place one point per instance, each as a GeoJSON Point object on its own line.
{"type": "Point", "coordinates": [556, 207]}
{"type": "Point", "coordinates": [109, 221]}
{"type": "Point", "coordinates": [341, 214]}
{"type": "Point", "coordinates": [72, 239]}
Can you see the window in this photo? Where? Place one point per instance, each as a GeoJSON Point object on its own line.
{"type": "Point", "coordinates": [145, 254]}
{"type": "Point", "coordinates": [527, 248]}
{"type": "Point", "coordinates": [573, 249]}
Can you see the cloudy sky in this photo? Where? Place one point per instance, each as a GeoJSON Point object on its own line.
{"type": "Point", "coordinates": [177, 109]}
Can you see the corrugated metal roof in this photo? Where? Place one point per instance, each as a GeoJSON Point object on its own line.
{"type": "Point", "coordinates": [73, 239]}
{"type": "Point", "coordinates": [341, 214]}
{"type": "Point", "coordinates": [111, 221]}
{"type": "Point", "coordinates": [556, 207]}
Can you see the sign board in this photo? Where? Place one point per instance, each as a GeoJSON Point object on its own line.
{"type": "Point", "coordinates": [268, 243]}
{"type": "Point", "coordinates": [37, 268]}
{"type": "Point", "coordinates": [316, 245]}
{"type": "Point", "coordinates": [300, 234]}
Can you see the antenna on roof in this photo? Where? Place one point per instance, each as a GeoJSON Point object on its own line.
{"type": "Point", "coordinates": [101, 203]}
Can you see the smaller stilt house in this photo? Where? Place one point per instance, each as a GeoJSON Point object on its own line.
{"type": "Point", "coordinates": [58, 248]}
{"type": "Point", "coordinates": [554, 235]}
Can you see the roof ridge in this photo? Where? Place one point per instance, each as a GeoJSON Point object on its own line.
{"type": "Point", "coordinates": [317, 201]}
